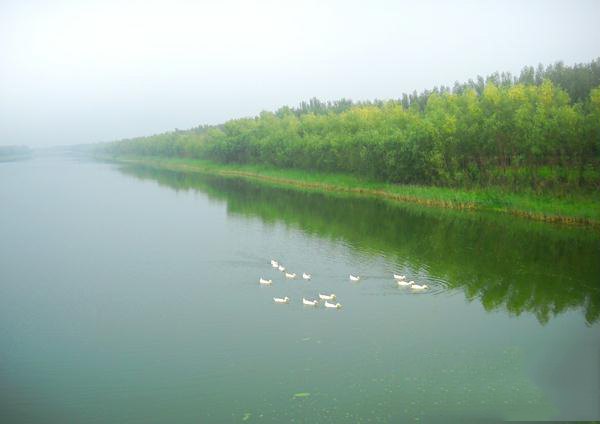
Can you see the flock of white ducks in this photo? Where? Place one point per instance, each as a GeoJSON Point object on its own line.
{"type": "Point", "coordinates": [305, 276]}
{"type": "Point", "coordinates": [400, 279]}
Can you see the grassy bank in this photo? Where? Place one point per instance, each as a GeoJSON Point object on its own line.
{"type": "Point", "coordinates": [574, 209]}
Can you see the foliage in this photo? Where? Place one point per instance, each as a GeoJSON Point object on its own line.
{"type": "Point", "coordinates": [538, 132]}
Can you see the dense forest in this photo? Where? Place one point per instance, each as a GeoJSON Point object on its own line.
{"type": "Point", "coordinates": [538, 131]}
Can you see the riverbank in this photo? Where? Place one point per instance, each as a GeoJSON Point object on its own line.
{"type": "Point", "coordinates": [575, 209]}
{"type": "Point", "coordinates": [12, 158]}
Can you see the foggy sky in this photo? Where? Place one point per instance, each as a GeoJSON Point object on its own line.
{"type": "Point", "coordinates": [85, 71]}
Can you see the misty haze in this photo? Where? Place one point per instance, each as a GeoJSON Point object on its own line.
{"type": "Point", "coordinates": [320, 212]}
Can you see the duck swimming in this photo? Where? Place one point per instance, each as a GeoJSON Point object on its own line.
{"type": "Point", "coordinates": [281, 300]}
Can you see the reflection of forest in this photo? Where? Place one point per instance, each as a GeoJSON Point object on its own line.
{"type": "Point", "coordinates": [518, 265]}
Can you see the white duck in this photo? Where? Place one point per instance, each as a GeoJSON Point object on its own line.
{"type": "Point", "coordinates": [332, 305]}
{"type": "Point", "coordinates": [418, 287]}
{"type": "Point", "coordinates": [327, 296]}
{"type": "Point", "coordinates": [290, 275]}
{"type": "Point", "coordinates": [281, 300]}
{"type": "Point", "coordinates": [306, 276]}
{"type": "Point", "coordinates": [309, 302]}
{"type": "Point", "coordinates": [354, 278]}
{"type": "Point", "coordinates": [281, 268]}
{"type": "Point", "coordinates": [399, 277]}
{"type": "Point", "coordinates": [263, 281]}
{"type": "Point", "coordinates": [274, 263]}
{"type": "Point", "coordinates": [404, 283]}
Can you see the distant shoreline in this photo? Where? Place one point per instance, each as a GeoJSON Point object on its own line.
{"type": "Point", "coordinates": [12, 158]}
{"type": "Point", "coordinates": [573, 211]}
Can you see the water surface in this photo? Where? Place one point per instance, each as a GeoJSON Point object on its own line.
{"type": "Point", "coordinates": [129, 294]}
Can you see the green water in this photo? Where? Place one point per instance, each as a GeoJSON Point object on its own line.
{"type": "Point", "coordinates": [131, 295]}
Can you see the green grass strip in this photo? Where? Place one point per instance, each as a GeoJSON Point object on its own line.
{"type": "Point", "coordinates": [574, 209]}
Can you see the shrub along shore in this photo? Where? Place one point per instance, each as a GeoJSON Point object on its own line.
{"type": "Point", "coordinates": [528, 145]}
{"type": "Point", "coordinates": [575, 209]}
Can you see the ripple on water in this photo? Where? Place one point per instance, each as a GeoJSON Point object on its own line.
{"type": "Point", "coordinates": [434, 287]}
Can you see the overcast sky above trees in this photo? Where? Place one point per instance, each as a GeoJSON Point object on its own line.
{"type": "Point", "coordinates": [84, 71]}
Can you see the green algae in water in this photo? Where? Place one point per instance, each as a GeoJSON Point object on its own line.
{"type": "Point", "coordinates": [301, 395]}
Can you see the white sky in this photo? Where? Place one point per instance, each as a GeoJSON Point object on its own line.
{"type": "Point", "coordinates": [85, 71]}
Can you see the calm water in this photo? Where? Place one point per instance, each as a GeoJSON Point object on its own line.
{"type": "Point", "coordinates": [131, 295]}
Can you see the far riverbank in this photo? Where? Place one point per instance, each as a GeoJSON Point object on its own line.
{"type": "Point", "coordinates": [577, 209]}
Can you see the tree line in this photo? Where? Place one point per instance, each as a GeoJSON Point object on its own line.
{"type": "Point", "coordinates": [540, 131]}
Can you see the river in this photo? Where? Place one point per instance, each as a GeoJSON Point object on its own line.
{"type": "Point", "coordinates": [130, 294]}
